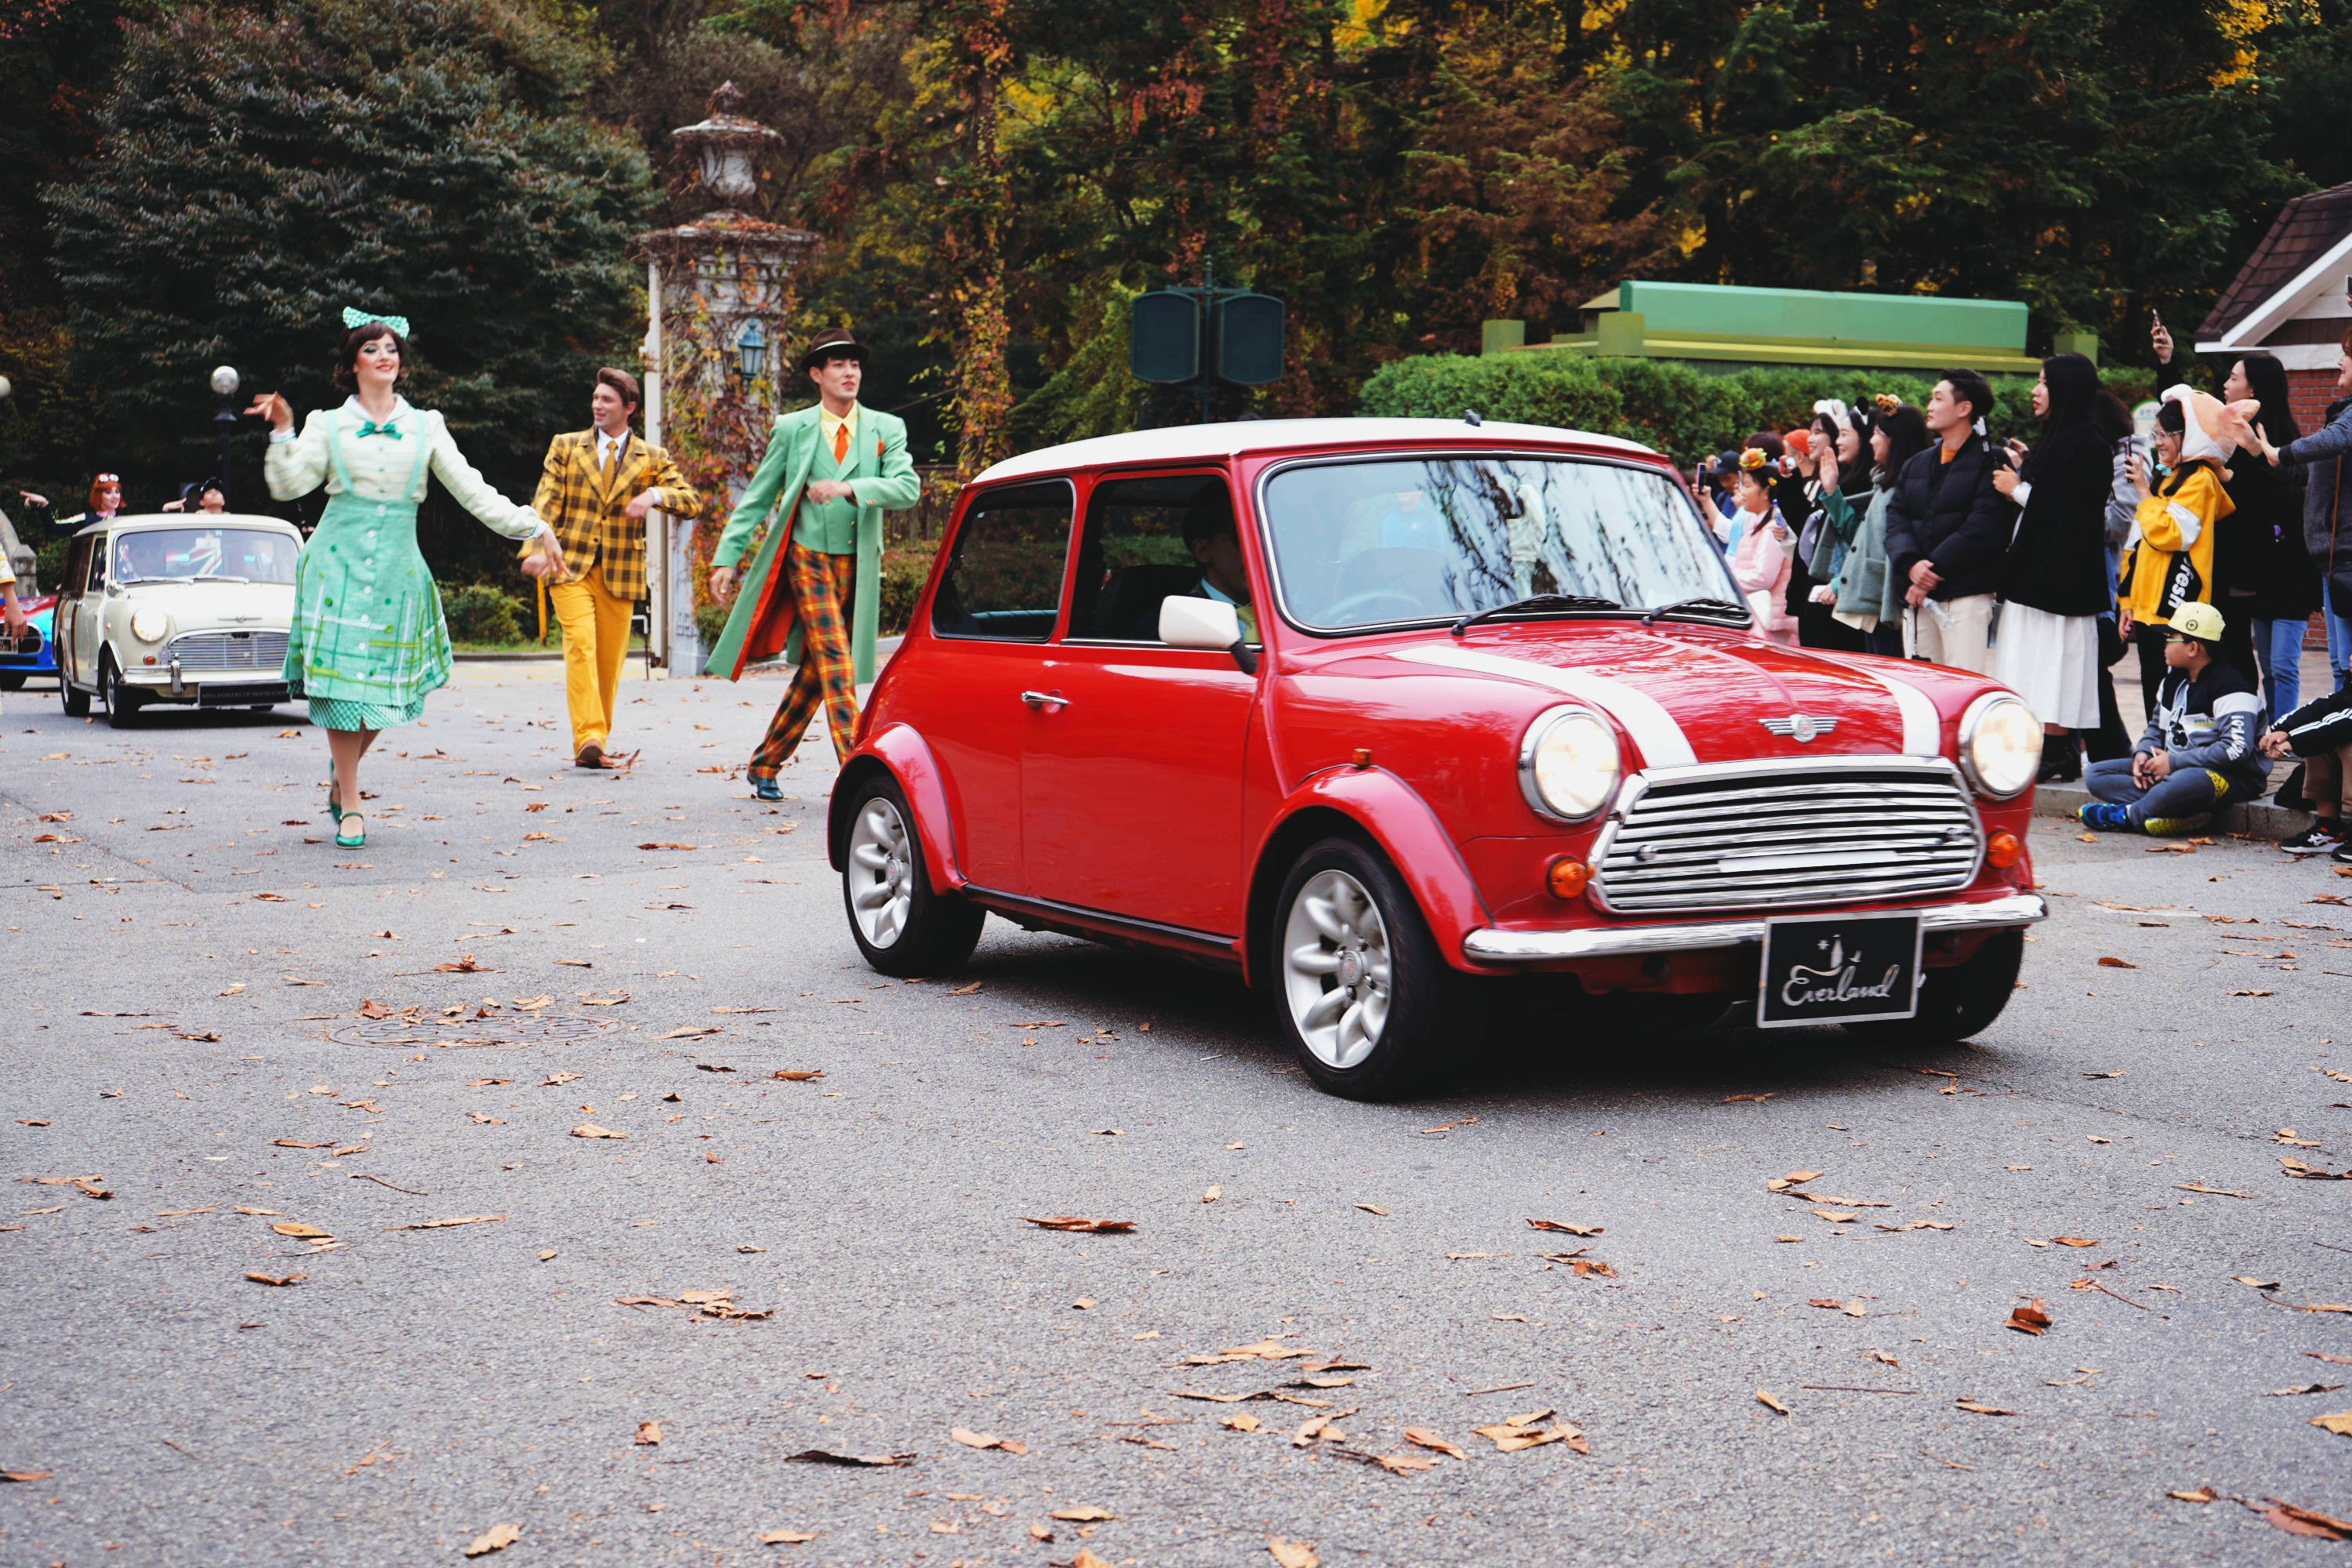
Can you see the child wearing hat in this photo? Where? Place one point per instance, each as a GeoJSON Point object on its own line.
{"type": "Point", "coordinates": [2200, 749]}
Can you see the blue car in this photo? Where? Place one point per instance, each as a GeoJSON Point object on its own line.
{"type": "Point", "coordinates": [18, 665]}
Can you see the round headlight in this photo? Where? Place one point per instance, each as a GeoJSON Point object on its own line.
{"type": "Point", "coordinates": [150, 624]}
{"type": "Point", "coordinates": [2001, 746]}
{"type": "Point", "coordinates": [1568, 762]}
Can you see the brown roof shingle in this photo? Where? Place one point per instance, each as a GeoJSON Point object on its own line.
{"type": "Point", "coordinates": [2304, 228]}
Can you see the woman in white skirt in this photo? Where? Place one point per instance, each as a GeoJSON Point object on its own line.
{"type": "Point", "coordinates": [2055, 585]}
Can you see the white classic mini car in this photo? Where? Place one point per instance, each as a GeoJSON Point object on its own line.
{"type": "Point", "coordinates": [175, 609]}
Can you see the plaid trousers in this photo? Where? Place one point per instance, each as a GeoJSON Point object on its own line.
{"type": "Point", "coordinates": [822, 587]}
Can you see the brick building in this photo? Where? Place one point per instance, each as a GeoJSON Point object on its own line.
{"type": "Point", "coordinates": [2293, 299]}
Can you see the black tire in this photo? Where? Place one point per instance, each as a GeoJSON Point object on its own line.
{"type": "Point", "coordinates": [1420, 1014]}
{"type": "Point", "coordinates": [76, 701]}
{"type": "Point", "coordinates": [122, 704]}
{"type": "Point", "coordinates": [12, 680]}
{"type": "Point", "coordinates": [1958, 1002]}
{"type": "Point", "coordinates": [905, 929]}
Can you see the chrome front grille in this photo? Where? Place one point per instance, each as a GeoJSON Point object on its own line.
{"type": "Point", "coordinates": [201, 651]}
{"type": "Point", "coordinates": [1762, 836]}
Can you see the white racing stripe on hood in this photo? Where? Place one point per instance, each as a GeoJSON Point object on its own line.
{"type": "Point", "coordinates": [1663, 742]}
{"type": "Point", "coordinates": [1922, 728]}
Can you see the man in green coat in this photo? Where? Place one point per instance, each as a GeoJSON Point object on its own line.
{"type": "Point", "coordinates": [816, 583]}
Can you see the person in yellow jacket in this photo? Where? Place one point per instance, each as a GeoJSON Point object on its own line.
{"type": "Point", "coordinates": [596, 490]}
{"type": "Point", "coordinates": [2169, 559]}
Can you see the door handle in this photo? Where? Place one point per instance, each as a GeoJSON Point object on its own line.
{"type": "Point", "coordinates": [1040, 699]}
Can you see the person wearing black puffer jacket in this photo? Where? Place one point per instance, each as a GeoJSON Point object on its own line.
{"type": "Point", "coordinates": [1947, 531]}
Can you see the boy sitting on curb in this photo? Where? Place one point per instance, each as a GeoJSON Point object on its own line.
{"type": "Point", "coordinates": [2321, 735]}
{"type": "Point", "coordinates": [2200, 748]}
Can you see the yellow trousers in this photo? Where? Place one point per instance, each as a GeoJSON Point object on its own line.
{"type": "Point", "coordinates": [595, 641]}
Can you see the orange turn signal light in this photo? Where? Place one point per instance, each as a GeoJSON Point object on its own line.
{"type": "Point", "coordinates": [1567, 876]}
{"type": "Point", "coordinates": [2002, 849]}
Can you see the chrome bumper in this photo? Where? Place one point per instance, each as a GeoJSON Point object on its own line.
{"type": "Point", "coordinates": [1617, 941]}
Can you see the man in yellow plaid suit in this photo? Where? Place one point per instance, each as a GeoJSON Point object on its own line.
{"type": "Point", "coordinates": [597, 486]}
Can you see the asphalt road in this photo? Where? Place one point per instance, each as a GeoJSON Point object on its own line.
{"type": "Point", "coordinates": [189, 962]}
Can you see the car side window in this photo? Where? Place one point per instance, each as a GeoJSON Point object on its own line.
{"type": "Point", "coordinates": [97, 578]}
{"type": "Point", "coordinates": [78, 554]}
{"type": "Point", "coordinates": [1152, 538]}
{"type": "Point", "coordinates": [1004, 579]}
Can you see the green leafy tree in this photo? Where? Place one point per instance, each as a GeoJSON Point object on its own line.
{"type": "Point", "coordinates": [261, 169]}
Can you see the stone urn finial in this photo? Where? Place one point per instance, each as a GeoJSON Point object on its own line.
{"type": "Point", "coordinates": [725, 145]}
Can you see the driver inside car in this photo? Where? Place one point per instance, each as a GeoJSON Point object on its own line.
{"type": "Point", "coordinates": [1216, 573]}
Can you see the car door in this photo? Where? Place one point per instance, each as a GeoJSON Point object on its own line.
{"type": "Point", "coordinates": [87, 573]}
{"type": "Point", "coordinates": [995, 608]}
{"type": "Point", "coordinates": [1131, 775]}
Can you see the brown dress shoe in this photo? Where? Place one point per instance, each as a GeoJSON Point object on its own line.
{"type": "Point", "coordinates": [591, 755]}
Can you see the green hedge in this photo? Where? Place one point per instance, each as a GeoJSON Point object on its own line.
{"type": "Point", "coordinates": [479, 613]}
{"type": "Point", "coordinates": [1686, 413]}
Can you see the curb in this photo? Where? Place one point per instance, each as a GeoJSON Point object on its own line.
{"type": "Point", "coordinates": [2254, 818]}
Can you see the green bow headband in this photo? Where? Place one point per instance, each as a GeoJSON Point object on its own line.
{"type": "Point", "coordinates": [361, 318]}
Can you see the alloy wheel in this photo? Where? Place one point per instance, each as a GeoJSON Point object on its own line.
{"type": "Point", "coordinates": [1337, 970]}
{"type": "Point", "coordinates": [881, 872]}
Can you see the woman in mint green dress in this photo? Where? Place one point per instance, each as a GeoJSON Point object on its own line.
{"type": "Point", "coordinates": [368, 640]}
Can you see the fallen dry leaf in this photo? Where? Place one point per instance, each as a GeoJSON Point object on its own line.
{"type": "Point", "coordinates": [826, 1457]}
{"type": "Point", "coordinates": [1212, 1195]}
{"type": "Point", "coordinates": [590, 1130]}
{"type": "Point", "coordinates": [1568, 1229]}
{"type": "Point", "coordinates": [796, 1075]}
{"type": "Point", "coordinates": [284, 1279]}
{"type": "Point", "coordinates": [1293, 1553]}
{"type": "Point", "coordinates": [2305, 1388]}
{"type": "Point", "coordinates": [2340, 1423]}
{"type": "Point", "coordinates": [439, 1223]}
{"type": "Point", "coordinates": [2033, 1317]}
{"type": "Point", "coordinates": [649, 1432]}
{"type": "Point", "coordinates": [2252, 1283]}
{"type": "Point", "coordinates": [307, 1232]}
{"type": "Point", "coordinates": [1421, 1436]}
{"type": "Point", "coordinates": [1240, 1422]}
{"type": "Point", "coordinates": [1085, 1514]}
{"type": "Point", "coordinates": [497, 1537]}
{"type": "Point", "coordinates": [783, 1537]}
{"type": "Point", "coordinates": [2074, 1241]}
{"type": "Point", "coordinates": [2304, 1521]}
{"type": "Point", "coordinates": [2117, 963]}
{"type": "Point", "coordinates": [1073, 1222]}
{"type": "Point", "coordinates": [1981, 1408]}
{"type": "Point", "coordinates": [2202, 1494]}
{"type": "Point", "coordinates": [25, 1475]}
{"type": "Point", "coordinates": [687, 1032]}
{"type": "Point", "coordinates": [1372, 1208]}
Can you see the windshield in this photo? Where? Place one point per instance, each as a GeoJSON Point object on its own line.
{"type": "Point", "coordinates": [1405, 539]}
{"type": "Point", "coordinates": [251, 555]}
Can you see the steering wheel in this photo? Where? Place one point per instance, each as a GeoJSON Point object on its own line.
{"type": "Point", "coordinates": [1345, 611]}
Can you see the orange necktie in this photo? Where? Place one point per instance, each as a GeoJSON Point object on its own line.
{"type": "Point", "coordinates": [840, 443]}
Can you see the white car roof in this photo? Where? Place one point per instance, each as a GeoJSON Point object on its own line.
{"type": "Point", "coordinates": [1183, 443]}
{"type": "Point", "coordinates": [200, 519]}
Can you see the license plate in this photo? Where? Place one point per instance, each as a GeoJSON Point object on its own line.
{"type": "Point", "coordinates": [1839, 969]}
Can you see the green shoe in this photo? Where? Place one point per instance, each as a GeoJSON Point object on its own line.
{"type": "Point", "coordinates": [344, 840]}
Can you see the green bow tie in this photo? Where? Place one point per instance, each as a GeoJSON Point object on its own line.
{"type": "Point", "coordinates": [370, 427]}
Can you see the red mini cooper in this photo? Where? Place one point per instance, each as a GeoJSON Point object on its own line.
{"type": "Point", "coordinates": [1385, 714]}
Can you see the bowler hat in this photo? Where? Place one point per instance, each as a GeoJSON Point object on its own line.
{"type": "Point", "coordinates": [834, 342]}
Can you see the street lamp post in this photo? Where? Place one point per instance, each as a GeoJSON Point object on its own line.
{"type": "Point", "coordinates": [225, 382]}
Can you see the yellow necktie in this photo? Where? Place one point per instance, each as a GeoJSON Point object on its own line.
{"type": "Point", "coordinates": [840, 443]}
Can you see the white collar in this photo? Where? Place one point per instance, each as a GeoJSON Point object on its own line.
{"type": "Point", "coordinates": [400, 408]}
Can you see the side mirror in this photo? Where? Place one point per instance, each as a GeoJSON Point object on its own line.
{"type": "Point", "coordinates": [1187, 622]}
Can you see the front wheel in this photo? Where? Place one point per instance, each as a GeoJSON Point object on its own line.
{"type": "Point", "coordinates": [12, 680]}
{"type": "Point", "coordinates": [121, 702]}
{"type": "Point", "coordinates": [1369, 1002]}
{"type": "Point", "coordinates": [902, 925]}
{"type": "Point", "coordinates": [1958, 1002]}
{"type": "Point", "coordinates": [76, 701]}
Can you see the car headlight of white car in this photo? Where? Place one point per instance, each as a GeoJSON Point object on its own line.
{"type": "Point", "coordinates": [2001, 746]}
{"type": "Point", "coordinates": [150, 625]}
{"type": "Point", "coordinates": [1568, 762]}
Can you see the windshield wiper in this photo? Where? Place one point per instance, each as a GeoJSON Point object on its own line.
{"type": "Point", "coordinates": [1702, 603]}
{"type": "Point", "coordinates": [220, 577]}
{"type": "Point", "coordinates": [1535, 604]}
